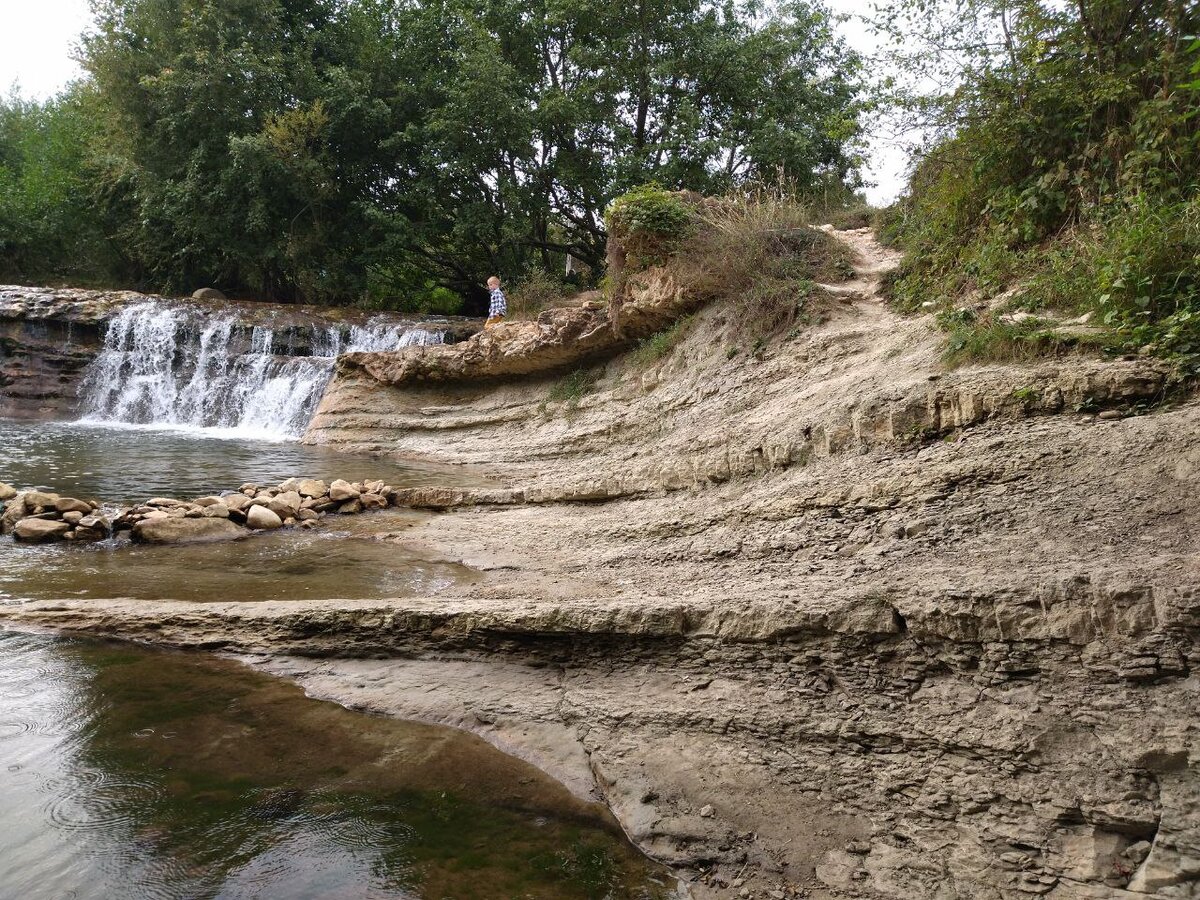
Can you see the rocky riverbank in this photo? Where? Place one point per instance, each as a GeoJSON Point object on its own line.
{"type": "Point", "coordinates": [39, 517]}
{"type": "Point", "coordinates": [822, 618]}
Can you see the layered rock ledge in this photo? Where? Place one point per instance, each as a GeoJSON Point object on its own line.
{"type": "Point", "coordinates": [820, 618]}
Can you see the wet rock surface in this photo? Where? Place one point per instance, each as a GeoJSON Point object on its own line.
{"type": "Point", "coordinates": [48, 336]}
{"type": "Point", "coordinates": [832, 621]}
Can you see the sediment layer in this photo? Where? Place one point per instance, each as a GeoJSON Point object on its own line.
{"type": "Point", "coordinates": [824, 619]}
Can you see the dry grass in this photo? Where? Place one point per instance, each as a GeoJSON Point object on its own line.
{"type": "Point", "coordinates": [533, 293]}
{"type": "Point", "coordinates": [759, 252]}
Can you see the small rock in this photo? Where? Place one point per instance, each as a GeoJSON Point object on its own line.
{"type": "Point", "coordinates": [350, 507]}
{"type": "Point", "coordinates": [207, 501]}
{"type": "Point", "coordinates": [308, 515]}
{"type": "Point", "coordinates": [373, 501]}
{"type": "Point", "coordinates": [707, 811]}
{"type": "Point", "coordinates": [312, 487]}
{"type": "Point", "coordinates": [260, 518]}
{"type": "Point", "coordinates": [289, 501]}
{"type": "Point", "coordinates": [1110, 414]}
{"type": "Point", "coordinates": [73, 518]}
{"type": "Point", "coordinates": [342, 490]}
{"type": "Point", "coordinates": [216, 511]}
{"type": "Point", "coordinates": [40, 531]}
{"type": "Point", "coordinates": [236, 501]}
{"type": "Point", "coordinates": [164, 503]}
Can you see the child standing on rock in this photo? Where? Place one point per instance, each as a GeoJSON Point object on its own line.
{"type": "Point", "coordinates": [498, 307]}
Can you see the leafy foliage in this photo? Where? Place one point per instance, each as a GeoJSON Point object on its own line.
{"type": "Point", "coordinates": [1064, 164]}
{"type": "Point", "coordinates": [361, 150]}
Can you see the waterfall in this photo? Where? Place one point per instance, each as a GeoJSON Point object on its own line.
{"type": "Point", "coordinates": [176, 366]}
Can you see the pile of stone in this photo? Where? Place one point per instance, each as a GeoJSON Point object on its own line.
{"type": "Point", "coordinates": [38, 517]}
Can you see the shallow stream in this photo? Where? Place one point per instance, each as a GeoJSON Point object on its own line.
{"type": "Point", "coordinates": [133, 773]}
{"type": "Point", "coordinates": [350, 558]}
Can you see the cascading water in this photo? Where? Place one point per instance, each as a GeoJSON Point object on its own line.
{"type": "Point", "coordinates": [175, 366]}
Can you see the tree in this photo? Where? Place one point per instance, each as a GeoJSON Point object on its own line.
{"type": "Point", "coordinates": [331, 150]}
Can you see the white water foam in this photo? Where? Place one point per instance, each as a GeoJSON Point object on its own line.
{"type": "Point", "coordinates": [171, 366]}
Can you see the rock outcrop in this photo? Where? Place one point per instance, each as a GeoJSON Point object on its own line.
{"type": "Point", "coordinates": [557, 340]}
{"type": "Point", "coordinates": [818, 617]}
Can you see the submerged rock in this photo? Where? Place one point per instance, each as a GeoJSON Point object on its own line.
{"type": "Point", "coordinates": [175, 530]}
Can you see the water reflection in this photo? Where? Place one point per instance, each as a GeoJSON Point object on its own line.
{"type": "Point", "coordinates": [128, 465]}
{"type": "Point", "coordinates": [139, 774]}
{"type": "Point", "coordinates": [286, 565]}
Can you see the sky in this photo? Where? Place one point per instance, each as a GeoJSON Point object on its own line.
{"type": "Point", "coordinates": [37, 42]}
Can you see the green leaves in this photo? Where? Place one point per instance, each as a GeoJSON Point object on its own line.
{"type": "Point", "coordinates": [327, 149]}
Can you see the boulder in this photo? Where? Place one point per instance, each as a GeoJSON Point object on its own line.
{"type": "Point", "coordinates": [373, 501]}
{"type": "Point", "coordinates": [70, 504]}
{"type": "Point", "coordinates": [7, 492]}
{"type": "Point", "coordinates": [285, 504]}
{"type": "Point", "coordinates": [206, 501]}
{"type": "Point", "coordinates": [312, 487]}
{"type": "Point", "coordinates": [374, 487]}
{"type": "Point", "coordinates": [40, 531]}
{"type": "Point", "coordinates": [260, 518]}
{"type": "Point", "coordinates": [95, 521]}
{"type": "Point", "coordinates": [308, 515]}
{"type": "Point", "coordinates": [36, 501]}
{"type": "Point", "coordinates": [216, 511]}
{"type": "Point", "coordinates": [207, 293]}
{"type": "Point", "coordinates": [342, 491]}
{"type": "Point", "coordinates": [173, 530]}
{"type": "Point", "coordinates": [350, 507]}
{"type": "Point", "coordinates": [73, 517]}
{"type": "Point", "coordinates": [236, 501]}
{"type": "Point", "coordinates": [14, 511]}
{"type": "Point", "coordinates": [164, 502]}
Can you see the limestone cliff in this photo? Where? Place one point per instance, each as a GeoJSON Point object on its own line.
{"type": "Point", "coordinates": [816, 616]}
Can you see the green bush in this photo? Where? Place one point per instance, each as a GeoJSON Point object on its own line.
{"type": "Point", "coordinates": [1068, 175]}
{"type": "Point", "coordinates": [649, 222]}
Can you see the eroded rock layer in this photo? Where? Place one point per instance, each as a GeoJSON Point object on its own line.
{"type": "Point", "coordinates": [816, 618]}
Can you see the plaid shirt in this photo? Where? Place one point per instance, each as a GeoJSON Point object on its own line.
{"type": "Point", "coordinates": [499, 306]}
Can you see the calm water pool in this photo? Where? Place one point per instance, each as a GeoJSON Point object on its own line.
{"type": "Point", "coordinates": [132, 773]}
{"type": "Point", "coordinates": [128, 464]}
{"type": "Point", "coordinates": [349, 558]}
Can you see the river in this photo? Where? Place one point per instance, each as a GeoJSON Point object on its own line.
{"type": "Point", "coordinates": [129, 772]}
